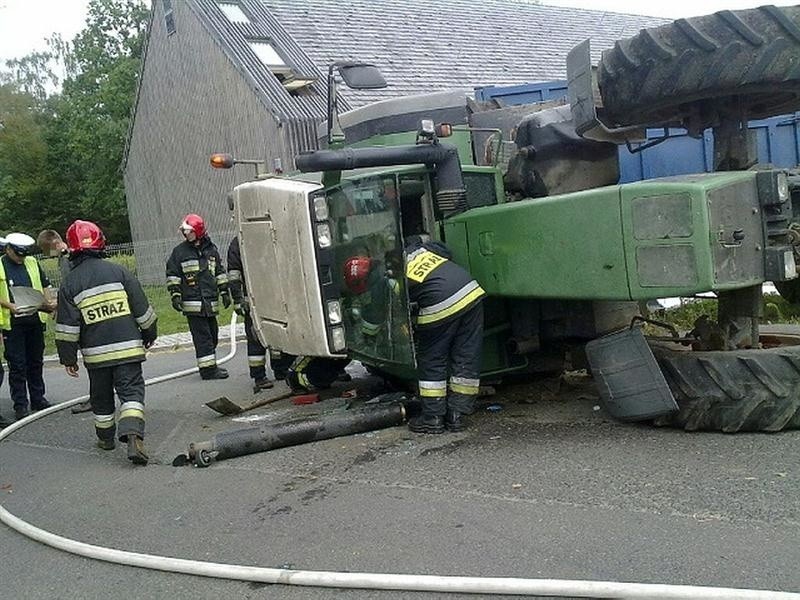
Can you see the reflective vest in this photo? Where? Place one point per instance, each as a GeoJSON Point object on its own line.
{"type": "Point", "coordinates": [32, 267]}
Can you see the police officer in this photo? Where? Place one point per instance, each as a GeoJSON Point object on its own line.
{"type": "Point", "coordinates": [23, 333]}
{"type": "Point", "coordinates": [3, 421]}
{"type": "Point", "coordinates": [449, 335]}
{"type": "Point", "coordinates": [196, 278]}
{"type": "Point", "coordinates": [103, 310]}
{"type": "Point", "coordinates": [256, 352]}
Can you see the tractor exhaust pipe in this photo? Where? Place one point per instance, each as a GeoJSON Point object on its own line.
{"type": "Point", "coordinates": [451, 195]}
{"type": "Point", "coordinates": [240, 442]}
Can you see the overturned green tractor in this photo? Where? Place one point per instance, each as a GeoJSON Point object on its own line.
{"type": "Point", "coordinates": [566, 254]}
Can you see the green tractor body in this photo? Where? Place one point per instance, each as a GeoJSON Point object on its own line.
{"type": "Point", "coordinates": [564, 253]}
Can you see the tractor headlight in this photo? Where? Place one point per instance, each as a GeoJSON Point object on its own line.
{"type": "Point", "coordinates": [324, 235]}
{"type": "Point", "coordinates": [321, 208]}
{"type": "Point", "coordinates": [782, 187]}
{"type": "Point", "coordinates": [337, 338]}
{"type": "Point", "coordinates": [334, 312]}
{"type": "Point", "coordinates": [789, 266]}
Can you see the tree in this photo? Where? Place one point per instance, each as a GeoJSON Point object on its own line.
{"type": "Point", "coordinates": [72, 141]}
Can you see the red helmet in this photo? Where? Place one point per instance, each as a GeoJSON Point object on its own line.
{"type": "Point", "coordinates": [85, 235]}
{"type": "Point", "coordinates": [193, 222]}
{"type": "Point", "coordinates": [356, 270]}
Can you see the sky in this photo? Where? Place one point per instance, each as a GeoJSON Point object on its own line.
{"type": "Point", "coordinates": [24, 24]}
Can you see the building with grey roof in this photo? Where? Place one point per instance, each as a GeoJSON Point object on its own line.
{"type": "Point", "coordinates": [248, 77]}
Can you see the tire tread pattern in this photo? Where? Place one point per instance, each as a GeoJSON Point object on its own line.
{"type": "Point", "coordinates": [741, 390]}
{"type": "Point", "coordinates": [753, 54]}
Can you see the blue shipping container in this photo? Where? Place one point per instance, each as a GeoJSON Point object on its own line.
{"type": "Point", "coordinates": [778, 138]}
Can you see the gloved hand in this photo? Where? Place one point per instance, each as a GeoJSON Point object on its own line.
{"type": "Point", "coordinates": [226, 299]}
{"type": "Point", "coordinates": [177, 303]}
{"type": "Point", "coordinates": [149, 337]}
{"type": "Point", "coordinates": [242, 308]}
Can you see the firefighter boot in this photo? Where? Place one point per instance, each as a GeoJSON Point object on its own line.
{"type": "Point", "coordinates": [136, 453]}
{"type": "Point", "coordinates": [454, 420]}
{"type": "Point", "coordinates": [431, 419]}
{"type": "Point", "coordinates": [106, 444]}
{"type": "Point", "coordinates": [213, 373]}
{"type": "Point", "coordinates": [262, 383]}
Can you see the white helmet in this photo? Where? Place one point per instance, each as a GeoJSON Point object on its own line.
{"type": "Point", "coordinates": [20, 243]}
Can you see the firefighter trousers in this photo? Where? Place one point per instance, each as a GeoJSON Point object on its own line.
{"type": "Point", "coordinates": [24, 352]}
{"type": "Point", "coordinates": [128, 382]}
{"type": "Point", "coordinates": [280, 363]}
{"type": "Point", "coordinates": [256, 353]}
{"type": "Point", "coordinates": [450, 349]}
{"type": "Point", "coordinates": [205, 335]}
{"type": "Point", "coordinates": [314, 372]}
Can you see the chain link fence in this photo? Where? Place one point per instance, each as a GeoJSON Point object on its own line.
{"type": "Point", "coordinates": [147, 261]}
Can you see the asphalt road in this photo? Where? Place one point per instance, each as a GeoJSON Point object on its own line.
{"type": "Point", "coordinates": [546, 486]}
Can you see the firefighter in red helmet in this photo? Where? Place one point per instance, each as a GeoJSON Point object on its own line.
{"type": "Point", "coordinates": [196, 280]}
{"type": "Point", "coordinates": [103, 311]}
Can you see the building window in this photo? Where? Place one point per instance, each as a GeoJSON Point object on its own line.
{"type": "Point", "coordinates": [169, 18]}
{"type": "Point", "coordinates": [293, 81]}
{"type": "Point", "coordinates": [234, 12]}
{"type": "Point", "coordinates": [267, 54]}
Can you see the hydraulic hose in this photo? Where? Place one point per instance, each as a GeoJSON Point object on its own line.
{"type": "Point", "coordinates": [375, 581]}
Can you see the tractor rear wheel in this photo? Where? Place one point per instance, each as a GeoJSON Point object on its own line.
{"type": "Point", "coordinates": [744, 62]}
{"type": "Point", "coordinates": [738, 390]}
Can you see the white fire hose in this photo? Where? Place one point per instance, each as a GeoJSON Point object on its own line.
{"type": "Point", "coordinates": [375, 581]}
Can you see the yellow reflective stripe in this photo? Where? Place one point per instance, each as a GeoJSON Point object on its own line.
{"type": "Point", "coordinates": [104, 297]}
{"type": "Point", "coordinates": [370, 328]}
{"type": "Point", "coordinates": [453, 308]}
{"type": "Point", "coordinates": [67, 337]}
{"type": "Point", "coordinates": [131, 413]}
{"type": "Point", "coordinates": [422, 264]}
{"type": "Point", "coordinates": [469, 390]}
{"type": "Point", "coordinates": [432, 389]}
{"type": "Point", "coordinates": [104, 421]}
{"type": "Point", "coordinates": [256, 361]}
{"type": "Point", "coordinates": [303, 380]}
{"type": "Point", "coordinates": [207, 361]}
{"type": "Point", "coordinates": [114, 355]}
{"type": "Point", "coordinates": [432, 393]}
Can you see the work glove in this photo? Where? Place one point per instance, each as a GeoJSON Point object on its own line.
{"type": "Point", "coordinates": [177, 302]}
{"type": "Point", "coordinates": [226, 299]}
{"type": "Point", "coordinates": [242, 307]}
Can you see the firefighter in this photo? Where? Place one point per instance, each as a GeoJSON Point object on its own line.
{"type": "Point", "coordinates": [256, 352]}
{"type": "Point", "coordinates": [23, 332]}
{"type": "Point", "coordinates": [196, 278]}
{"type": "Point", "coordinates": [103, 310]}
{"type": "Point", "coordinates": [449, 335]}
{"type": "Point", "coordinates": [309, 373]}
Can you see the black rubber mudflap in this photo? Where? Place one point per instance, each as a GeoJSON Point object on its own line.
{"type": "Point", "coordinates": [631, 386]}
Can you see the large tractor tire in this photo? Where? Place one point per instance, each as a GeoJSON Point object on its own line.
{"type": "Point", "coordinates": [683, 72]}
{"type": "Point", "coordinates": [789, 290]}
{"type": "Point", "coordinates": [741, 390]}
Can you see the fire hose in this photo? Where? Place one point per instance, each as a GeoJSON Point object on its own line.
{"type": "Point", "coordinates": [350, 580]}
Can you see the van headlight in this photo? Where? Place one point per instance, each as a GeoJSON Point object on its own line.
{"type": "Point", "coordinates": [338, 339]}
{"type": "Point", "coordinates": [334, 312]}
{"type": "Point", "coordinates": [324, 235]}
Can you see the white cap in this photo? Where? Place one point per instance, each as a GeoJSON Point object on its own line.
{"type": "Point", "coordinates": [20, 239]}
